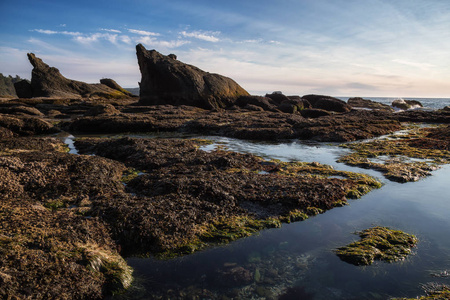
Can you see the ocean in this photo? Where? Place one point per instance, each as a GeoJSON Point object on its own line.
{"type": "Point", "coordinates": [428, 103]}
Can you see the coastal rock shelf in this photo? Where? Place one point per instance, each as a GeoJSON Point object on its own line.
{"type": "Point", "coordinates": [404, 158]}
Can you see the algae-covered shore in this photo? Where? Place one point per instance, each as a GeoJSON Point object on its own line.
{"type": "Point", "coordinates": [70, 220]}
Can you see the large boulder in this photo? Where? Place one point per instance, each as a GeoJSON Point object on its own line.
{"type": "Point", "coordinates": [166, 80]}
{"type": "Point", "coordinates": [23, 89]}
{"type": "Point", "coordinates": [328, 103]}
{"type": "Point", "coordinates": [114, 85]}
{"type": "Point", "coordinates": [47, 81]}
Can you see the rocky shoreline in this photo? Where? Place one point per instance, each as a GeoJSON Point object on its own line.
{"type": "Point", "coordinates": [67, 220]}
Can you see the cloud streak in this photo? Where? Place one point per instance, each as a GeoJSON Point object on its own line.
{"type": "Point", "coordinates": [209, 36]}
{"type": "Point", "coordinates": [143, 32]}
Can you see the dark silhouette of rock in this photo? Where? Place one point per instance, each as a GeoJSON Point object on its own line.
{"type": "Point", "coordinates": [358, 102]}
{"type": "Point", "coordinates": [327, 103]}
{"type": "Point", "coordinates": [406, 104]}
{"type": "Point", "coordinates": [47, 81]}
{"type": "Point", "coordinates": [23, 89]}
{"type": "Point", "coordinates": [166, 80]}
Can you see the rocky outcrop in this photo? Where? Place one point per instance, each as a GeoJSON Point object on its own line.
{"type": "Point", "coordinates": [360, 103]}
{"type": "Point", "coordinates": [47, 81]}
{"type": "Point", "coordinates": [166, 80]}
{"type": "Point", "coordinates": [327, 103]}
{"type": "Point", "coordinates": [114, 85]}
{"type": "Point", "coordinates": [406, 104]}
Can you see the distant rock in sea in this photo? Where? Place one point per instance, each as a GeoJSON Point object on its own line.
{"type": "Point", "coordinates": [166, 80]}
{"type": "Point", "coordinates": [47, 81]}
{"type": "Point", "coordinates": [361, 103]}
{"type": "Point", "coordinates": [406, 104]}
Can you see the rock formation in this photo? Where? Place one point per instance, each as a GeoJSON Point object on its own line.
{"type": "Point", "coordinates": [361, 103]}
{"type": "Point", "coordinates": [406, 104]}
{"type": "Point", "coordinates": [327, 103]}
{"type": "Point", "coordinates": [47, 81]}
{"type": "Point", "coordinates": [166, 80]}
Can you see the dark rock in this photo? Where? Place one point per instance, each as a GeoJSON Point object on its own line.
{"type": "Point", "coordinates": [327, 103]}
{"type": "Point", "coordinates": [406, 104]}
{"type": "Point", "coordinates": [314, 113]}
{"type": "Point", "coordinates": [166, 80]}
{"type": "Point", "coordinates": [447, 108]}
{"type": "Point", "coordinates": [23, 89]}
{"type": "Point", "coordinates": [235, 276]}
{"type": "Point", "coordinates": [47, 81]}
{"type": "Point", "coordinates": [26, 126]}
{"type": "Point", "coordinates": [21, 110]}
{"type": "Point", "coordinates": [253, 107]}
{"type": "Point", "coordinates": [103, 109]}
{"type": "Point", "coordinates": [114, 85]}
{"type": "Point", "coordinates": [278, 97]}
{"type": "Point", "coordinates": [358, 102]}
{"type": "Point", "coordinates": [263, 102]}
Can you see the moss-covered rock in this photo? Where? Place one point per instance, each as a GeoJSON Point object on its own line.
{"type": "Point", "coordinates": [404, 158]}
{"type": "Point", "coordinates": [378, 243]}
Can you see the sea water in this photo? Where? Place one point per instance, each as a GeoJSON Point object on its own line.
{"type": "Point", "coordinates": [428, 103]}
{"type": "Point", "coordinates": [298, 259]}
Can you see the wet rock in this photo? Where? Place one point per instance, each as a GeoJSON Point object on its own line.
{"type": "Point", "coordinates": [358, 102]}
{"type": "Point", "coordinates": [406, 104]}
{"type": "Point", "coordinates": [47, 81]}
{"type": "Point", "coordinates": [166, 80]}
{"type": "Point", "coordinates": [235, 276]}
{"type": "Point", "coordinates": [20, 110]}
{"type": "Point", "coordinates": [327, 103]}
{"type": "Point", "coordinates": [378, 243]}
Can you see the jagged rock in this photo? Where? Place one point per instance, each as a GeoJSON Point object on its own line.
{"type": "Point", "coordinates": [47, 81]}
{"type": "Point", "coordinates": [114, 85]}
{"type": "Point", "coordinates": [406, 104]}
{"type": "Point", "coordinates": [327, 103]}
{"type": "Point", "coordinates": [166, 80]}
{"type": "Point", "coordinates": [358, 102]}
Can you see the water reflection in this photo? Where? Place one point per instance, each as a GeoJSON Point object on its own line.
{"type": "Point", "coordinates": [297, 259]}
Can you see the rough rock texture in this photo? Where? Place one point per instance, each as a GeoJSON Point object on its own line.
{"type": "Point", "coordinates": [165, 80]}
{"type": "Point", "coordinates": [327, 103]}
{"type": "Point", "coordinates": [47, 81]}
{"type": "Point", "coordinates": [25, 126]}
{"type": "Point", "coordinates": [358, 102]}
{"type": "Point", "coordinates": [254, 125]}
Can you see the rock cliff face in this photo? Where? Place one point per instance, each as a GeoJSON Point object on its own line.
{"type": "Point", "coordinates": [165, 80]}
{"type": "Point", "coordinates": [47, 81]}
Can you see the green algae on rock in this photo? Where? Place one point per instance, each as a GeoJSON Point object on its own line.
{"type": "Point", "coordinates": [378, 243]}
{"type": "Point", "coordinates": [407, 158]}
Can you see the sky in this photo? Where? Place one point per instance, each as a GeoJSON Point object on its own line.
{"type": "Point", "coordinates": [367, 48]}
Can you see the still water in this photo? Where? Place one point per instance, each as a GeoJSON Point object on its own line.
{"type": "Point", "coordinates": [297, 260]}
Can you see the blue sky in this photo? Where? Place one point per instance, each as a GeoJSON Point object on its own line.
{"type": "Point", "coordinates": [373, 48]}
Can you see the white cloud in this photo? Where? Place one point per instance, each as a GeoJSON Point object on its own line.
{"type": "Point", "coordinates": [111, 30]}
{"type": "Point", "coordinates": [44, 31]}
{"type": "Point", "coordinates": [209, 36]}
{"type": "Point", "coordinates": [143, 32]}
{"type": "Point", "coordinates": [413, 64]}
{"type": "Point", "coordinates": [125, 39]}
{"type": "Point", "coordinates": [154, 43]}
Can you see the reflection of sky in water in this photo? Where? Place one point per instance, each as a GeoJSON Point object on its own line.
{"type": "Point", "coordinates": [421, 208]}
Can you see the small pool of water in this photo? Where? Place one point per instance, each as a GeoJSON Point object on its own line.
{"type": "Point", "coordinates": [298, 258]}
